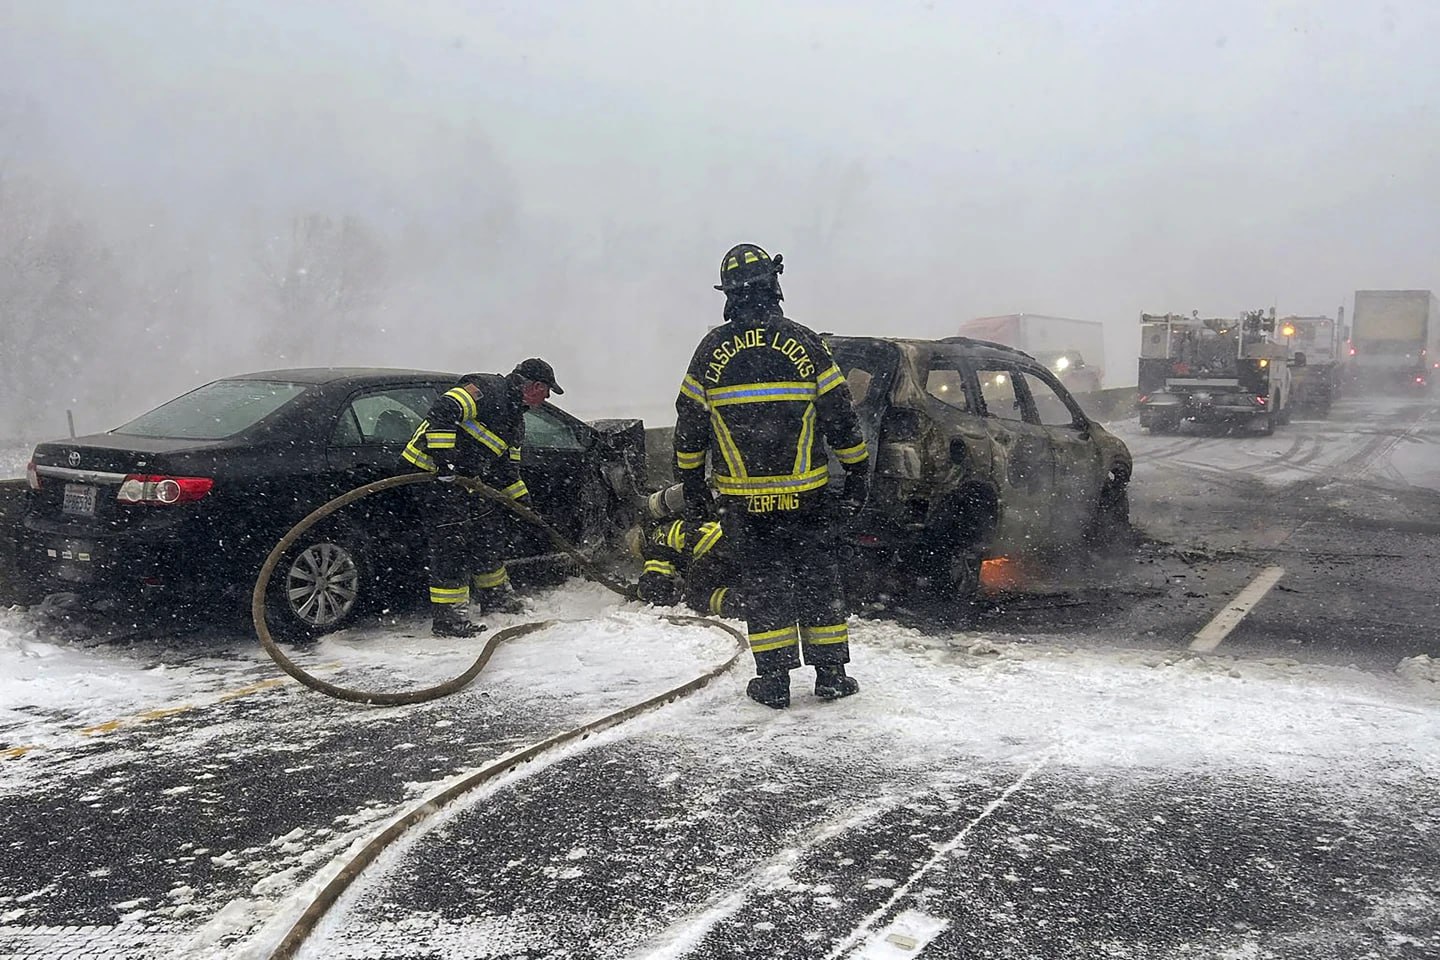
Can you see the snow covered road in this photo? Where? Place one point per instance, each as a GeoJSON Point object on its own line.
{"type": "Point", "coordinates": [1053, 774]}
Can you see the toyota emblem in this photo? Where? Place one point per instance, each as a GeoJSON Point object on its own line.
{"type": "Point", "coordinates": [74, 458]}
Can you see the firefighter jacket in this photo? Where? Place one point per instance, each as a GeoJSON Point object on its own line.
{"type": "Point", "coordinates": [762, 397]}
{"type": "Point", "coordinates": [474, 429]}
{"type": "Point", "coordinates": [687, 560]}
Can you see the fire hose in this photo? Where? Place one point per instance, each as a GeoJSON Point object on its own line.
{"type": "Point", "coordinates": [421, 695]}
{"type": "Point", "coordinates": [330, 893]}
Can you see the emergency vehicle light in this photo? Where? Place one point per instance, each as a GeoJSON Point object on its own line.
{"type": "Point", "coordinates": [163, 491]}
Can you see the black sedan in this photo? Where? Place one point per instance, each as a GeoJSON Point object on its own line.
{"type": "Point", "coordinates": [188, 499]}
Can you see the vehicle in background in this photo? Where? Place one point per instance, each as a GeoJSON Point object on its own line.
{"type": "Point", "coordinates": [188, 499]}
{"type": "Point", "coordinates": [977, 451]}
{"type": "Point", "coordinates": [1393, 336]}
{"type": "Point", "coordinates": [1074, 350]}
{"type": "Point", "coordinates": [1318, 343]}
{"type": "Point", "coordinates": [1212, 370]}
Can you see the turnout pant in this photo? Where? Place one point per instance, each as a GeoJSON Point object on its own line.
{"type": "Point", "coordinates": [788, 573]}
{"type": "Point", "coordinates": [467, 540]}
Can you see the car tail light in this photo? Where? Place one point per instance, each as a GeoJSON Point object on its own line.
{"type": "Point", "coordinates": [1420, 380]}
{"type": "Point", "coordinates": [1261, 401]}
{"type": "Point", "coordinates": [1143, 398]}
{"type": "Point", "coordinates": [163, 491]}
{"type": "Point", "coordinates": [32, 476]}
{"type": "Point", "coordinates": [1352, 351]}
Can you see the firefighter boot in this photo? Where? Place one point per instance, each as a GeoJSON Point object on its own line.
{"type": "Point", "coordinates": [500, 600]}
{"type": "Point", "coordinates": [448, 620]}
{"type": "Point", "coordinates": [832, 684]}
{"type": "Point", "coordinates": [772, 688]}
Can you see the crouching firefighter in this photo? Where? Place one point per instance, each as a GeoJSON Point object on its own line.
{"type": "Point", "coordinates": [687, 560]}
{"type": "Point", "coordinates": [763, 398]}
{"type": "Point", "coordinates": [475, 429]}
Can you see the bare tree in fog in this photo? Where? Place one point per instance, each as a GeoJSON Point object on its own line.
{"type": "Point", "coordinates": [56, 277]}
{"type": "Point", "coordinates": [318, 287]}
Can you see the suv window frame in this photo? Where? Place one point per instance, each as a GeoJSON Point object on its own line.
{"type": "Point", "coordinates": [1078, 418]}
{"type": "Point", "coordinates": [1022, 390]}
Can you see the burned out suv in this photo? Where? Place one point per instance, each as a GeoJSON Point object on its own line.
{"type": "Point", "coordinates": [977, 451]}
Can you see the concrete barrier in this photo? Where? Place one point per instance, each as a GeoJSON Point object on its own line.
{"type": "Point", "coordinates": [1117, 403]}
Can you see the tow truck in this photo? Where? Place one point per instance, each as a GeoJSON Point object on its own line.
{"type": "Point", "coordinates": [1213, 370]}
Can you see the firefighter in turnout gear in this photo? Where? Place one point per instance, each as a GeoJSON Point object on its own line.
{"type": "Point", "coordinates": [687, 561]}
{"type": "Point", "coordinates": [475, 429]}
{"type": "Point", "coordinates": [762, 399]}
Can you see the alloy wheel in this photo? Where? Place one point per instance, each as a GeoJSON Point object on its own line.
{"type": "Point", "coordinates": [322, 584]}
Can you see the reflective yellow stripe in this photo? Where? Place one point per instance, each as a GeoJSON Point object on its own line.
{"type": "Point", "coordinates": [717, 600]}
{"type": "Point", "coordinates": [421, 460]}
{"type": "Point", "coordinates": [829, 380]}
{"type": "Point", "coordinates": [835, 633]}
{"type": "Point", "coordinates": [485, 435]}
{"type": "Point", "coordinates": [440, 439]}
{"type": "Point", "coordinates": [515, 454]}
{"type": "Point", "coordinates": [675, 536]}
{"type": "Point", "coordinates": [467, 403]}
{"type": "Point", "coordinates": [854, 454]}
{"type": "Point", "coordinates": [774, 639]}
{"type": "Point", "coordinates": [517, 490]}
{"type": "Point", "coordinates": [805, 445]}
{"type": "Point", "coordinates": [755, 486]}
{"type": "Point", "coordinates": [728, 450]}
{"type": "Point", "coordinates": [449, 594]}
{"type": "Point", "coordinates": [489, 581]}
{"type": "Point", "coordinates": [761, 393]}
{"type": "Point", "coordinates": [660, 566]}
{"type": "Point", "coordinates": [709, 536]}
{"type": "Point", "coordinates": [686, 460]}
{"type": "Point", "coordinates": [690, 387]}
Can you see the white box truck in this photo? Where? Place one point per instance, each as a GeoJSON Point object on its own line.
{"type": "Point", "coordinates": [1073, 349]}
{"type": "Point", "coordinates": [1394, 334]}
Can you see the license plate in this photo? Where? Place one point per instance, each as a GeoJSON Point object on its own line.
{"type": "Point", "coordinates": [79, 500]}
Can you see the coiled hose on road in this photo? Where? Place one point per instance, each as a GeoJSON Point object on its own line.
{"type": "Point", "coordinates": [262, 583]}
{"type": "Point", "coordinates": [290, 944]}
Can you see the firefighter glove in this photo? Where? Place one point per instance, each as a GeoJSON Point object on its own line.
{"type": "Point", "coordinates": [856, 492]}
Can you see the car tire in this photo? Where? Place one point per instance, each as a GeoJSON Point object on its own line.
{"type": "Point", "coordinates": [1111, 523]}
{"type": "Point", "coordinates": [1267, 425]}
{"type": "Point", "coordinates": [321, 585]}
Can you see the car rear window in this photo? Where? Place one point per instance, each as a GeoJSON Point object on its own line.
{"type": "Point", "coordinates": [215, 411]}
{"type": "Point", "coordinates": [869, 367]}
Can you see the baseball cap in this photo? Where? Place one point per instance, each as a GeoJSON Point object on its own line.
{"type": "Point", "coordinates": [539, 371]}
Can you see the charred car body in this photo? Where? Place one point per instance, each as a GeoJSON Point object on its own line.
{"type": "Point", "coordinates": [188, 499]}
{"type": "Point", "coordinates": [1212, 370]}
{"type": "Point", "coordinates": [977, 451]}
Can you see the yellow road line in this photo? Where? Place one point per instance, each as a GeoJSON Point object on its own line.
{"type": "Point", "coordinates": [158, 713]}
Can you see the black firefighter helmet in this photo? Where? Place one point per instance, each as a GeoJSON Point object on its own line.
{"type": "Point", "coordinates": [746, 268]}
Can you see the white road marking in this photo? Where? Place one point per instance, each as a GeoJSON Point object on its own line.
{"type": "Point", "coordinates": [1229, 618]}
{"type": "Point", "coordinates": [862, 932]}
{"type": "Point", "coordinates": [910, 933]}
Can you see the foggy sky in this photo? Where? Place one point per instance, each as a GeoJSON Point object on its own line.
{"type": "Point", "coordinates": [561, 178]}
